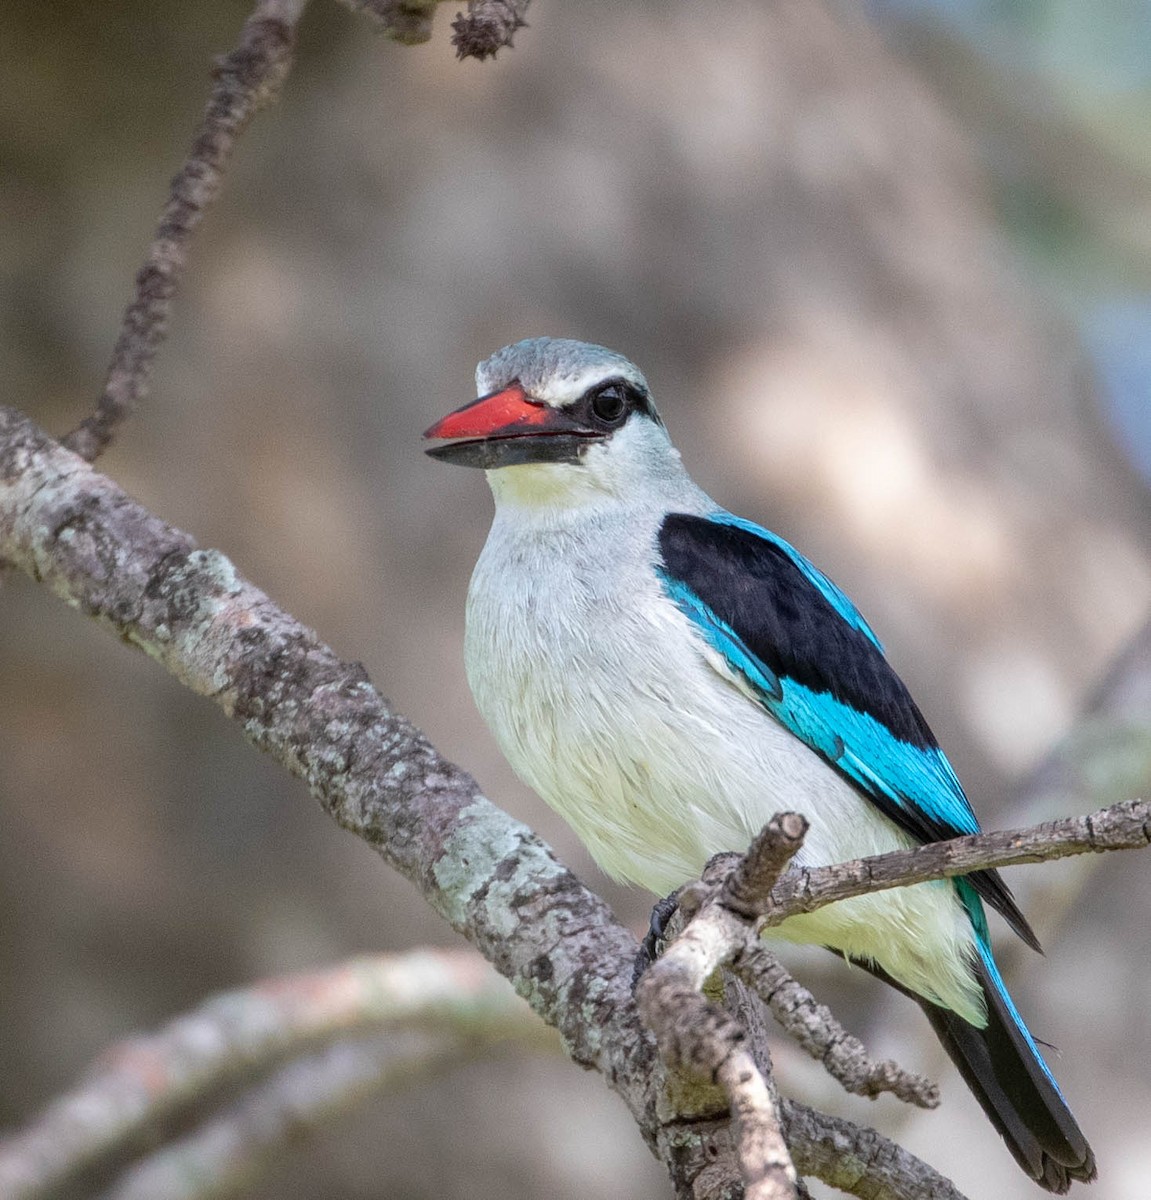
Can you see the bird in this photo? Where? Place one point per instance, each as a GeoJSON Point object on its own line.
{"type": "Point", "coordinates": [667, 675]}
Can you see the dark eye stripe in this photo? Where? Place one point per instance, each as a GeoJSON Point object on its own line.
{"type": "Point", "coordinates": [611, 402]}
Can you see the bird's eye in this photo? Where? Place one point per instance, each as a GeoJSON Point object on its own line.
{"type": "Point", "coordinates": [609, 402]}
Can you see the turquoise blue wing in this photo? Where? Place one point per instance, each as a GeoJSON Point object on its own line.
{"type": "Point", "coordinates": [804, 651]}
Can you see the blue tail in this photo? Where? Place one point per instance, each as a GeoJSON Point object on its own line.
{"type": "Point", "coordinates": [1004, 1069]}
{"type": "Point", "coordinates": [1002, 1066]}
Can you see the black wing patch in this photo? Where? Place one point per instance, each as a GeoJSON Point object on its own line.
{"type": "Point", "coordinates": [836, 690]}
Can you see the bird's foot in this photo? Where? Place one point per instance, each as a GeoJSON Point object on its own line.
{"type": "Point", "coordinates": [652, 945]}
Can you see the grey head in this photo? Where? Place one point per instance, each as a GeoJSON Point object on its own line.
{"type": "Point", "coordinates": [557, 371]}
{"type": "Point", "coordinates": [545, 400]}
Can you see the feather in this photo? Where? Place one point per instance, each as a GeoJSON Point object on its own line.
{"type": "Point", "coordinates": [815, 664]}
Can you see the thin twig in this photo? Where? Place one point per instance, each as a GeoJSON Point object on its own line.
{"type": "Point", "coordinates": [768, 1173]}
{"type": "Point", "coordinates": [694, 1034]}
{"type": "Point", "coordinates": [747, 888]}
{"type": "Point", "coordinates": [244, 81]}
{"type": "Point", "coordinates": [819, 1034]}
{"type": "Point", "coordinates": [1125, 826]}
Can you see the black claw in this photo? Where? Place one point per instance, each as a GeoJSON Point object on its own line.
{"type": "Point", "coordinates": [652, 945]}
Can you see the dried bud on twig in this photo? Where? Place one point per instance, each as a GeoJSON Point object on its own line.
{"type": "Point", "coordinates": [487, 26]}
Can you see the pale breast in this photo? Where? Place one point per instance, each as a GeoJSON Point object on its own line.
{"type": "Point", "coordinates": [602, 698]}
{"type": "Point", "coordinates": [601, 695]}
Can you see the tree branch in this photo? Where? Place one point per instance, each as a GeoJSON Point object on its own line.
{"type": "Point", "coordinates": [244, 81]}
{"type": "Point", "coordinates": [221, 1158]}
{"type": "Point", "coordinates": [859, 1161]}
{"type": "Point", "coordinates": [488, 875]}
{"type": "Point", "coordinates": [820, 1035]}
{"type": "Point", "coordinates": [138, 1090]}
{"type": "Point", "coordinates": [1124, 826]}
{"type": "Point", "coordinates": [696, 1035]}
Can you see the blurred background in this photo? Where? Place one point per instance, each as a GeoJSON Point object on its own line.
{"type": "Point", "coordinates": [888, 269]}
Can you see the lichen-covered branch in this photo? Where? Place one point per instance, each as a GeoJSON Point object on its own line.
{"type": "Point", "coordinates": [766, 1166]}
{"type": "Point", "coordinates": [372, 771]}
{"type": "Point", "coordinates": [244, 81]}
{"type": "Point", "coordinates": [697, 1036]}
{"type": "Point", "coordinates": [73, 529]}
{"type": "Point", "coordinates": [722, 914]}
{"type": "Point", "coordinates": [139, 1088]}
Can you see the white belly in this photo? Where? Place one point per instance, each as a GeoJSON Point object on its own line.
{"type": "Point", "coordinates": [604, 701]}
